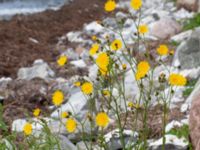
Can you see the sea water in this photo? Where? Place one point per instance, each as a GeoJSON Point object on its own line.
{"type": "Point", "coordinates": [9, 8]}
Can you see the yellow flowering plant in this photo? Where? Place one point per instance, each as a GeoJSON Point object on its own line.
{"type": "Point", "coordinates": [108, 103]}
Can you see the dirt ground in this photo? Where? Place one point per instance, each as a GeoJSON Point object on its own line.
{"type": "Point", "coordinates": [16, 48]}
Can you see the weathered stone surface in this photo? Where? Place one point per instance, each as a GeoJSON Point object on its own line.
{"type": "Point", "coordinates": [191, 5]}
{"type": "Point", "coordinates": [188, 53]}
{"type": "Point", "coordinates": [165, 28]}
{"type": "Point", "coordinates": [194, 116]}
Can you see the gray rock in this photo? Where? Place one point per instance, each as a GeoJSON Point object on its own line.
{"type": "Point", "coordinates": [170, 26]}
{"type": "Point", "coordinates": [40, 69]}
{"type": "Point", "coordinates": [172, 143]}
{"type": "Point", "coordinates": [77, 105]}
{"type": "Point", "coordinates": [113, 139]}
{"type": "Point", "coordinates": [66, 144]}
{"type": "Point", "coordinates": [188, 53]}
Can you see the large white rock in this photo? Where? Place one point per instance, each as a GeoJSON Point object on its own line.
{"type": "Point", "coordinates": [77, 105]}
{"type": "Point", "coordinates": [164, 28]}
{"type": "Point", "coordinates": [40, 69]}
{"type": "Point", "coordinates": [172, 143]}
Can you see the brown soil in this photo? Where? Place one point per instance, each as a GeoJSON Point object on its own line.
{"type": "Point", "coordinates": [16, 50]}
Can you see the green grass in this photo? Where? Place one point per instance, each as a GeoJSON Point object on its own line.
{"type": "Point", "coordinates": [182, 132]}
{"type": "Point", "coordinates": [189, 87]}
{"type": "Point", "coordinates": [192, 23]}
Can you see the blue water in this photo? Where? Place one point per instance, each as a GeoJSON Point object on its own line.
{"type": "Point", "coordinates": [9, 8]}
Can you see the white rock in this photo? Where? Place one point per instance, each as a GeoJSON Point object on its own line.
{"type": "Point", "coordinates": [39, 69]}
{"type": "Point", "coordinates": [78, 63]}
{"type": "Point", "coordinates": [93, 70]}
{"type": "Point", "coordinates": [77, 105]}
{"type": "Point", "coordinates": [184, 107]}
{"type": "Point", "coordinates": [173, 140]}
{"type": "Point", "coordinates": [171, 27]}
{"type": "Point", "coordinates": [74, 36]}
{"type": "Point", "coordinates": [93, 28]}
{"type": "Point", "coordinates": [173, 124]}
{"type": "Point", "coordinates": [181, 36]}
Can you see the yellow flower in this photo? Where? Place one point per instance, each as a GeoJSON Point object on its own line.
{"type": "Point", "coordinates": [62, 60]}
{"type": "Point", "coordinates": [106, 93]}
{"type": "Point", "coordinates": [139, 75]}
{"type": "Point", "coordinates": [94, 49]}
{"type": "Point", "coordinates": [71, 125]}
{"type": "Point", "coordinates": [177, 80]}
{"type": "Point", "coordinates": [124, 66]}
{"type": "Point", "coordinates": [136, 4]}
{"type": "Point", "coordinates": [142, 69]}
{"type": "Point", "coordinates": [110, 5]}
{"type": "Point", "coordinates": [116, 45]}
{"type": "Point", "coordinates": [64, 114]}
{"type": "Point", "coordinates": [94, 38]}
{"type": "Point", "coordinates": [143, 29]}
{"type": "Point", "coordinates": [102, 60]}
{"type": "Point", "coordinates": [77, 83]}
{"type": "Point", "coordinates": [87, 88]}
{"type": "Point", "coordinates": [102, 119]}
{"type": "Point", "coordinates": [132, 105]}
{"type": "Point", "coordinates": [27, 129]}
{"type": "Point", "coordinates": [162, 50]}
{"type": "Point", "coordinates": [143, 66]}
{"type": "Point", "coordinates": [57, 98]}
{"type": "Point", "coordinates": [36, 112]}
{"type": "Point", "coordinates": [171, 52]}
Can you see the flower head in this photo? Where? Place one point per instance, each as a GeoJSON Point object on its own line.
{"type": "Point", "coordinates": [162, 50]}
{"type": "Point", "coordinates": [36, 112]}
{"type": "Point", "coordinates": [110, 5]}
{"type": "Point", "coordinates": [116, 45]}
{"type": "Point", "coordinates": [94, 38]}
{"type": "Point", "coordinates": [62, 60]}
{"type": "Point", "coordinates": [94, 49]}
{"type": "Point", "coordinates": [124, 66]}
{"type": "Point", "coordinates": [71, 125]}
{"type": "Point", "coordinates": [57, 97]}
{"type": "Point", "coordinates": [136, 4]}
{"type": "Point", "coordinates": [27, 129]}
{"type": "Point", "coordinates": [143, 66]}
{"type": "Point", "coordinates": [142, 69]}
{"type": "Point", "coordinates": [102, 60]}
{"type": "Point", "coordinates": [87, 88]}
{"type": "Point", "coordinates": [77, 83]}
{"type": "Point", "coordinates": [64, 114]}
{"type": "Point", "coordinates": [177, 80]}
{"type": "Point", "coordinates": [102, 119]}
{"type": "Point", "coordinates": [143, 29]}
{"type": "Point", "coordinates": [106, 92]}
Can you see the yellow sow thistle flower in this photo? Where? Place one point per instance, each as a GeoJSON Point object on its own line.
{"type": "Point", "coordinates": [177, 80]}
{"type": "Point", "coordinates": [142, 69]}
{"type": "Point", "coordinates": [116, 45]}
{"type": "Point", "coordinates": [162, 50]}
{"type": "Point", "coordinates": [62, 60]}
{"type": "Point", "coordinates": [106, 93]}
{"type": "Point", "coordinates": [124, 66]}
{"type": "Point", "coordinates": [143, 66]}
{"type": "Point", "coordinates": [143, 29]}
{"type": "Point", "coordinates": [94, 49]}
{"type": "Point", "coordinates": [58, 98]}
{"type": "Point", "coordinates": [110, 5]}
{"type": "Point", "coordinates": [71, 125]}
{"type": "Point", "coordinates": [77, 83]}
{"type": "Point", "coordinates": [87, 88]}
{"type": "Point", "coordinates": [64, 114]}
{"type": "Point", "coordinates": [136, 4]}
{"type": "Point", "coordinates": [27, 129]}
{"type": "Point", "coordinates": [102, 60]}
{"type": "Point", "coordinates": [94, 38]}
{"type": "Point", "coordinates": [102, 119]}
{"type": "Point", "coordinates": [36, 112]}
